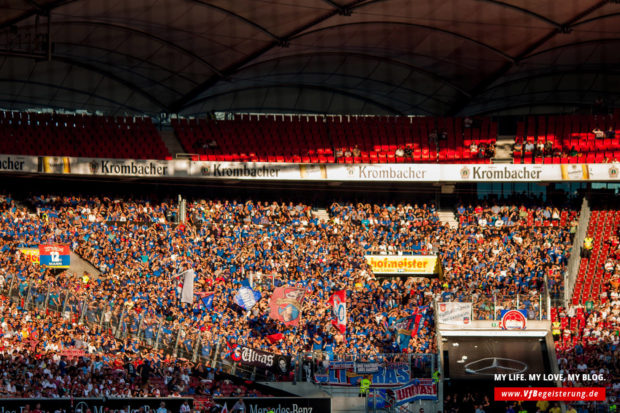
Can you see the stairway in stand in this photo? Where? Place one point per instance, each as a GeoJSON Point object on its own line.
{"type": "Point", "coordinates": [591, 277]}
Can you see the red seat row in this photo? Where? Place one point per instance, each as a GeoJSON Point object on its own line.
{"type": "Point", "coordinates": [336, 139]}
{"type": "Point", "coordinates": [25, 133]}
{"type": "Point", "coordinates": [568, 139]}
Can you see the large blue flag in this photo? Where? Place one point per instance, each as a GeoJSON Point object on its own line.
{"type": "Point", "coordinates": [247, 298]}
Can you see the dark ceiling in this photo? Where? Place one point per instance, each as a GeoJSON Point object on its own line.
{"type": "Point", "coordinates": [313, 56]}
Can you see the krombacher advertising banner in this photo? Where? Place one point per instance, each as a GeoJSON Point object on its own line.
{"type": "Point", "coordinates": [452, 173]}
{"type": "Point", "coordinates": [18, 163]}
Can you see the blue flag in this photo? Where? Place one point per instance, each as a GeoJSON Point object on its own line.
{"type": "Point", "coordinates": [207, 301]}
{"type": "Point", "coordinates": [246, 298]}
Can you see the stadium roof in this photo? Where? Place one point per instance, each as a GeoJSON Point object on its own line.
{"type": "Point", "coordinates": [322, 56]}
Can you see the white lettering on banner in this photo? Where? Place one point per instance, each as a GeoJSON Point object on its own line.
{"type": "Point", "coordinates": [294, 409]}
{"type": "Point", "coordinates": [152, 168]}
{"type": "Point", "coordinates": [248, 355]}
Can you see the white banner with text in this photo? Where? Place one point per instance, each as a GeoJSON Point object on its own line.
{"type": "Point", "coordinates": [449, 173]}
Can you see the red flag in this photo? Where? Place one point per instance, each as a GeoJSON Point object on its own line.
{"type": "Point", "coordinates": [285, 305]}
{"type": "Point", "coordinates": [338, 301]}
{"type": "Point", "coordinates": [274, 338]}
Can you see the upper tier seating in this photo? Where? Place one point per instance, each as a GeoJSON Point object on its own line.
{"type": "Point", "coordinates": [24, 133]}
{"type": "Point", "coordinates": [567, 139]}
{"type": "Point", "coordinates": [341, 139]}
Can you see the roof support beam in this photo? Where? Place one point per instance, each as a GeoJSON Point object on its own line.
{"type": "Point", "coordinates": [126, 56]}
{"type": "Point", "coordinates": [604, 16]}
{"type": "Point", "coordinates": [524, 11]}
{"type": "Point", "coordinates": [112, 76]}
{"type": "Point", "coordinates": [352, 95]}
{"type": "Point", "coordinates": [420, 26]}
{"type": "Point", "coordinates": [47, 9]}
{"type": "Point", "coordinates": [489, 80]}
{"type": "Point", "coordinates": [381, 59]}
{"type": "Point", "coordinates": [130, 29]}
{"type": "Point", "coordinates": [585, 42]}
{"type": "Point", "coordinates": [197, 91]}
{"type": "Point", "coordinates": [238, 17]}
{"type": "Point", "coordinates": [72, 90]}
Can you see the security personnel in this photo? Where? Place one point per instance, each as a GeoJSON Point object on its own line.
{"type": "Point", "coordinates": [588, 243]}
{"type": "Point", "coordinates": [556, 330]}
{"type": "Point", "coordinates": [365, 386]}
{"type": "Point", "coordinates": [436, 376]}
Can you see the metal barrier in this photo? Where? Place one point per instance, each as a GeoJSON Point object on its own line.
{"type": "Point", "coordinates": [572, 269]}
{"type": "Point", "coordinates": [146, 331]}
{"type": "Point", "coordinates": [490, 306]}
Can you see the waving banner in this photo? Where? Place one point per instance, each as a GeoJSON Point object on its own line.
{"type": "Point", "coordinates": [454, 313]}
{"type": "Point", "coordinates": [386, 375]}
{"type": "Point", "coordinates": [261, 359]}
{"type": "Point", "coordinates": [247, 298]}
{"type": "Point", "coordinates": [285, 305]}
{"type": "Point", "coordinates": [418, 389]}
{"type": "Point", "coordinates": [55, 256]}
{"type": "Point", "coordinates": [338, 301]}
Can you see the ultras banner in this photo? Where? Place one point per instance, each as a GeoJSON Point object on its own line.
{"type": "Point", "coordinates": [261, 359]}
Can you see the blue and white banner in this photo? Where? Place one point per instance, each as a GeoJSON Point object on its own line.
{"type": "Point", "coordinates": [247, 298]}
{"type": "Point", "coordinates": [206, 300]}
{"type": "Point", "coordinates": [387, 375]}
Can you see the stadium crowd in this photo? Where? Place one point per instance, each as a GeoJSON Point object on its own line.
{"type": "Point", "coordinates": [500, 249]}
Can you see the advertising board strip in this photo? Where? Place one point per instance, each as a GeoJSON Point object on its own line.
{"type": "Point", "coordinates": [17, 163]}
{"type": "Point", "coordinates": [183, 168]}
{"type": "Point", "coordinates": [94, 405]}
{"type": "Point", "coordinates": [404, 264]}
{"type": "Point", "coordinates": [32, 254]}
{"type": "Point", "coordinates": [278, 404]}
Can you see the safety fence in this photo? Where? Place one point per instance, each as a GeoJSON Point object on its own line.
{"type": "Point", "coordinates": [140, 330]}
{"type": "Point", "coordinates": [536, 305]}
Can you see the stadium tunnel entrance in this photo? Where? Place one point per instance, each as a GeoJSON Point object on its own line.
{"type": "Point", "coordinates": [474, 363]}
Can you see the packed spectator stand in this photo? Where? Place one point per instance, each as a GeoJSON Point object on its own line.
{"type": "Point", "coordinates": [139, 251]}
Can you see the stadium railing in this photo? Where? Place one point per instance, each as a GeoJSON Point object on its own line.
{"type": "Point", "coordinates": [162, 334]}
{"type": "Point", "coordinates": [490, 306]}
{"type": "Point", "coordinates": [572, 268]}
